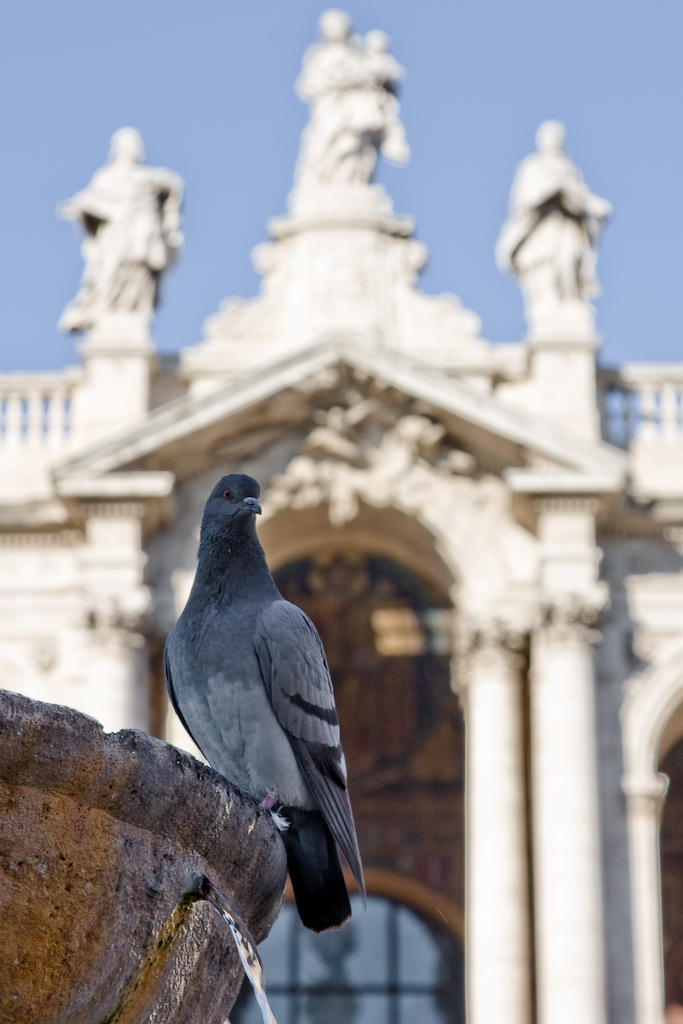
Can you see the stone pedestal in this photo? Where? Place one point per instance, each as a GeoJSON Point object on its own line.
{"type": "Point", "coordinates": [341, 264]}
{"type": "Point", "coordinates": [497, 914]}
{"type": "Point", "coordinates": [114, 393]}
{"type": "Point", "coordinates": [103, 841]}
{"type": "Point", "coordinates": [562, 380]}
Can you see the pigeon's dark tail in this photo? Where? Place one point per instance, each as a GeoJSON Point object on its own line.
{"type": "Point", "coordinates": [315, 870]}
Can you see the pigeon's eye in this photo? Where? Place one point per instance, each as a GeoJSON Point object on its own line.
{"type": "Point", "coordinates": [227, 495]}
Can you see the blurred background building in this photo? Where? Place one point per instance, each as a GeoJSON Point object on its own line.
{"type": "Point", "coordinates": [489, 538]}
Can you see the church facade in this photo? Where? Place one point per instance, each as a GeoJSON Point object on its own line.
{"type": "Point", "coordinates": [488, 537]}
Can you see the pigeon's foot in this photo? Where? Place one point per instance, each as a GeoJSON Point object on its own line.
{"type": "Point", "coordinates": [267, 804]}
{"type": "Point", "coordinates": [280, 821]}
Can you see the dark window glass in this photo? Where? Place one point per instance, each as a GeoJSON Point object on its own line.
{"type": "Point", "coordinates": [387, 966]}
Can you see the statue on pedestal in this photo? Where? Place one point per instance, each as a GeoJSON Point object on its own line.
{"type": "Point", "coordinates": [350, 83]}
{"type": "Point", "coordinates": [130, 216]}
{"type": "Point", "coordinates": [550, 238]}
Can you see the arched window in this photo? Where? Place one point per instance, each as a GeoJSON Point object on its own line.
{"type": "Point", "coordinates": [388, 965]}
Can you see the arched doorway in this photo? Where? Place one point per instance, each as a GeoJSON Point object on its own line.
{"type": "Point", "coordinates": [387, 634]}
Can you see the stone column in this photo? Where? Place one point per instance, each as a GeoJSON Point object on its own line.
{"type": "Point", "coordinates": [568, 915]}
{"type": "Point", "coordinates": [115, 603]}
{"type": "Point", "coordinates": [497, 907]}
{"type": "Point", "coordinates": [566, 846]}
{"type": "Point", "coordinates": [644, 795]}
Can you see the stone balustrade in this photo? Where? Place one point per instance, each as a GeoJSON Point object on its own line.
{"type": "Point", "coordinates": [641, 401]}
{"type": "Point", "coordinates": [35, 410]}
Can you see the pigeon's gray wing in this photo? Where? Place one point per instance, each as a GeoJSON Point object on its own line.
{"type": "Point", "coordinates": [298, 681]}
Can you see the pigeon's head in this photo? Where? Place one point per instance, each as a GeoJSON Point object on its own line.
{"type": "Point", "coordinates": [233, 502]}
{"type": "Point", "coordinates": [230, 511]}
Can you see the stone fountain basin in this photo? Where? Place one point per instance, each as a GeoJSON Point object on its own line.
{"type": "Point", "coordinates": [103, 840]}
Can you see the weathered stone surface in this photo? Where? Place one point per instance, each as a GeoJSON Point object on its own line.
{"type": "Point", "coordinates": [102, 841]}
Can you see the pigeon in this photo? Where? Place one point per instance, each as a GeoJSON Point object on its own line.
{"type": "Point", "coordinates": [247, 675]}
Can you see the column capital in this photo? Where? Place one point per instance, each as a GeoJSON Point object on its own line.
{"type": "Point", "coordinates": [472, 635]}
{"type": "Point", "coordinates": [568, 615]}
{"type": "Point", "coordinates": [478, 640]}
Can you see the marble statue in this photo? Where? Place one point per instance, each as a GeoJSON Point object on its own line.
{"type": "Point", "coordinates": [350, 83]}
{"type": "Point", "coordinates": [130, 217]}
{"type": "Point", "coordinates": [550, 238]}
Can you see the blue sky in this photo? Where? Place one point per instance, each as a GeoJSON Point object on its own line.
{"type": "Point", "coordinates": [211, 87]}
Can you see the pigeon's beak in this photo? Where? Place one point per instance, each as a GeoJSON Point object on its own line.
{"type": "Point", "coordinates": [253, 505]}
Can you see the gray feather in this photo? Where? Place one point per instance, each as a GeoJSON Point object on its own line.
{"type": "Point", "coordinates": [296, 674]}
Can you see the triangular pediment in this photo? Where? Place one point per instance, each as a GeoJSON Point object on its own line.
{"type": "Point", "coordinates": [246, 415]}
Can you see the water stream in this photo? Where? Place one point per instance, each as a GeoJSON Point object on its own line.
{"type": "Point", "coordinates": [246, 947]}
